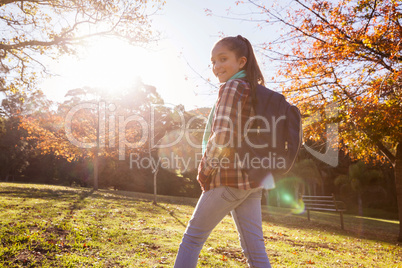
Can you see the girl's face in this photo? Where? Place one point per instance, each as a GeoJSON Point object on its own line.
{"type": "Point", "coordinates": [225, 64]}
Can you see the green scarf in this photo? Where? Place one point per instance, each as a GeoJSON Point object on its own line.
{"type": "Point", "coordinates": [207, 131]}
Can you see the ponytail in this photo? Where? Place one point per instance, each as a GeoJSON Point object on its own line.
{"type": "Point", "coordinates": [242, 48]}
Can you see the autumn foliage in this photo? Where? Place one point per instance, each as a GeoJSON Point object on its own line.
{"type": "Point", "coordinates": [345, 55]}
{"type": "Point", "coordinates": [348, 54]}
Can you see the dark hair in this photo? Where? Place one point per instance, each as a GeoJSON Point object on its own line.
{"type": "Point", "coordinates": [242, 47]}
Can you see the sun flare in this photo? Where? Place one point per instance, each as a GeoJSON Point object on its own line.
{"type": "Point", "coordinates": [112, 65]}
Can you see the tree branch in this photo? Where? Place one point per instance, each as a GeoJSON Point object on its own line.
{"type": "Point", "coordinates": [386, 152]}
{"type": "Point", "coordinates": [286, 23]}
{"type": "Point", "coordinates": [371, 16]}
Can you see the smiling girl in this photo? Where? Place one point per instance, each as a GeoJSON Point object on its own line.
{"type": "Point", "coordinates": [225, 187]}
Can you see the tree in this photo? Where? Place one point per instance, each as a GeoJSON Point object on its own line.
{"type": "Point", "coordinates": [33, 29]}
{"type": "Point", "coordinates": [14, 150]}
{"type": "Point", "coordinates": [103, 128]}
{"type": "Point", "coordinates": [360, 179]}
{"type": "Point", "coordinates": [14, 145]}
{"type": "Point", "coordinates": [307, 170]}
{"type": "Point", "coordinates": [347, 54]}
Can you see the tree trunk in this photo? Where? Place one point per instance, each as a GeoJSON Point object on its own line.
{"type": "Point", "coordinates": [297, 191]}
{"type": "Point", "coordinates": [96, 170]}
{"type": "Point", "coordinates": [398, 184]}
{"type": "Point", "coordinates": [278, 199]}
{"type": "Point", "coordinates": [155, 185]}
{"type": "Point", "coordinates": [359, 203]}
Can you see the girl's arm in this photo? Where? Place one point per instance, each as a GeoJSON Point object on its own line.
{"type": "Point", "coordinates": [232, 109]}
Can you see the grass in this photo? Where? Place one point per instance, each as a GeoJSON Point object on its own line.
{"type": "Point", "coordinates": [54, 226]}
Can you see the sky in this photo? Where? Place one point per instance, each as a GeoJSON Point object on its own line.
{"type": "Point", "coordinates": [174, 65]}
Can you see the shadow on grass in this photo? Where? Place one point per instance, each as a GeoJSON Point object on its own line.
{"type": "Point", "coordinates": [75, 196]}
{"type": "Point", "coordinates": [355, 226]}
{"type": "Point", "coordinates": [45, 192]}
{"type": "Point", "coordinates": [363, 228]}
{"type": "Point", "coordinates": [171, 213]}
{"type": "Point", "coordinates": [148, 197]}
{"type": "Point", "coordinates": [133, 197]}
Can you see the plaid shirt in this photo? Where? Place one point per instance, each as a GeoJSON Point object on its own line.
{"type": "Point", "coordinates": [219, 166]}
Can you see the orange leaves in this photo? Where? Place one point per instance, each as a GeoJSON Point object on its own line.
{"type": "Point", "coordinates": [48, 136]}
{"type": "Point", "coordinates": [349, 53]}
{"type": "Point", "coordinates": [367, 42]}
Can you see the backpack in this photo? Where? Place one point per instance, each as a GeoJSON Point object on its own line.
{"type": "Point", "coordinates": [273, 141]}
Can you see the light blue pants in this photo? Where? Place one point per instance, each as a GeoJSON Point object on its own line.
{"type": "Point", "coordinates": [212, 207]}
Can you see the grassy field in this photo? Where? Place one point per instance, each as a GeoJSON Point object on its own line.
{"type": "Point", "coordinates": [53, 226]}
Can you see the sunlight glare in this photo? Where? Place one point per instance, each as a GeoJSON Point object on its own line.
{"type": "Point", "coordinates": [114, 65]}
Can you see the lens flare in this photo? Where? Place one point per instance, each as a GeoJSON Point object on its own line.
{"type": "Point", "coordinates": [299, 207]}
{"type": "Point", "coordinates": [287, 198]}
{"type": "Point", "coordinates": [287, 194]}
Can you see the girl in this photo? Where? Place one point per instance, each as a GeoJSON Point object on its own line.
{"type": "Point", "coordinates": [225, 187]}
